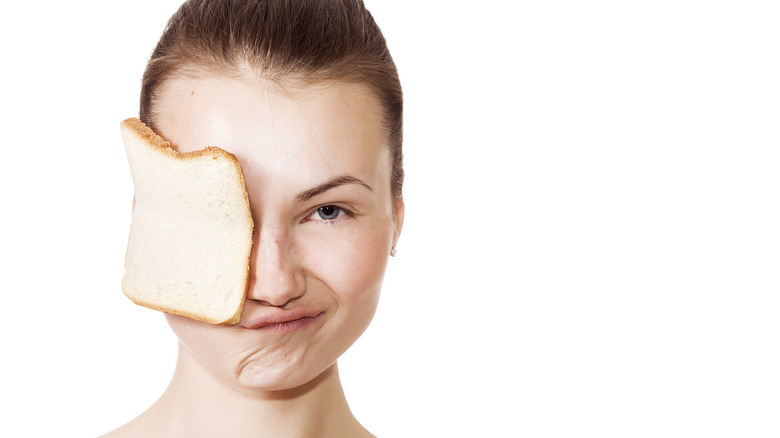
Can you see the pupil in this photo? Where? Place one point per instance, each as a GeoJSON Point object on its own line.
{"type": "Point", "coordinates": [329, 212]}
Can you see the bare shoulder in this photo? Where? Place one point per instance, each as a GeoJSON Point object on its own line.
{"type": "Point", "coordinates": [362, 432]}
{"type": "Point", "coordinates": [121, 432]}
{"type": "Point", "coordinates": [116, 433]}
{"type": "Point", "coordinates": [132, 429]}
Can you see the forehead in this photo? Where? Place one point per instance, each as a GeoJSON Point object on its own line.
{"type": "Point", "coordinates": [318, 129]}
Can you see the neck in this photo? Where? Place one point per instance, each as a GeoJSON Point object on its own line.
{"type": "Point", "coordinates": [197, 404]}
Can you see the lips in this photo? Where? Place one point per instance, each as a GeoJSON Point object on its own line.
{"type": "Point", "coordinates": [283, 321]}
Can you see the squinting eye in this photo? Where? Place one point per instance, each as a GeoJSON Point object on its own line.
{"type": "Point", "coordinates": [329, 212]}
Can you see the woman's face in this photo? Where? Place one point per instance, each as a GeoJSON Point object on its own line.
{"type": "Point", "coordinates": [317, 174]}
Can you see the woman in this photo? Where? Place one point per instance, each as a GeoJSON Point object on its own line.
{"type": "Point", "coordinates": [306, 95]}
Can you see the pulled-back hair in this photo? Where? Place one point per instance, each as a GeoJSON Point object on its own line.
{"type": "Point", "coordinates": [283, 41]}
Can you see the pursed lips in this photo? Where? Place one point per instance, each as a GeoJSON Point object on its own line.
{"type": "Point", "coordinates": [283, 320]}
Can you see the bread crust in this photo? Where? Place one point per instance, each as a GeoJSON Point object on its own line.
{"type": "Point", "coordinates": [191, 315]}
{"type": "Point", "coordinates": [158, 144]}
{"type": "Point", "coordinates": [146, 133]}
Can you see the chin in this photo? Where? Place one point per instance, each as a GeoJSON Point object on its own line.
{"type": "Point", "coordinates": [257, 377]}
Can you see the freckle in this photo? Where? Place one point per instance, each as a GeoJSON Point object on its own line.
{"type": "Point", "coordinates": [193, 93]}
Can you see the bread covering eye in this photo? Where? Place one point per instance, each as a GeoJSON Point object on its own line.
{"type": "Point", "coordinates": [191, 234]}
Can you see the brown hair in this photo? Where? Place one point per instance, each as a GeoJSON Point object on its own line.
{"type": "Point", "coordinates": [294, 41]}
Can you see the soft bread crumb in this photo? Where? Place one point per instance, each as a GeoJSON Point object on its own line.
{"type": "Point", "coordinates": [191, 235]}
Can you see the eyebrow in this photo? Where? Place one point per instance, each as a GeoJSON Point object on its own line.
{"type": "Point", "coordinates": [330, 184]}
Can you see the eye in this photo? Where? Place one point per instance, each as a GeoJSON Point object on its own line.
{"type": "Point", "coordinates": [328, 213]}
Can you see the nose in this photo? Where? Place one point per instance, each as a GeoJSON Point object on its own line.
{"type": "Point", "coordinates": [275, 278]}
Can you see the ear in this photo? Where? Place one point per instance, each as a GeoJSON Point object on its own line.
{"type": "Point", "coordinates": [399, 219]}
{"type": "Point", "coordinates": [399, 212]}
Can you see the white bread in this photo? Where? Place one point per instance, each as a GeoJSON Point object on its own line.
{"type": "Point", "coordinates": [191, 234]}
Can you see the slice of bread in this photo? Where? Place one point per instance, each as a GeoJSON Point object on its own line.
{"type": "Point", "coordinates": [191, 233]}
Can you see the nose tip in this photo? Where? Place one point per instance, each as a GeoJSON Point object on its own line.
{"type": "Point", "coordinates": [275, 278]}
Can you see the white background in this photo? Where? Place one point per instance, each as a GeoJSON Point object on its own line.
{"type": "Point", "coordinates": [592, 237]}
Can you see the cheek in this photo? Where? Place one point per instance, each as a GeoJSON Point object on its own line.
{"type": "Point", "coordinates": [350, 270]}
{"type": "Point", "coordinates": [209, 344]}
{"type": "Point", "coordinates": [350, 262]}
{"type": "Point", "coordinates": [189, 332]}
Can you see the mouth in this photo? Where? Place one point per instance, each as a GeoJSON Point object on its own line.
{"type": "Point", "coordinates": [286, 322]}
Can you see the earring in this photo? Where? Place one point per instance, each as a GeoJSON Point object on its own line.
{"type": "Point", "coordinates": [392, 252]}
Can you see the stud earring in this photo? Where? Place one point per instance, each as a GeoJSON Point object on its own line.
{"type": "Point", "coordinates": [392, 252]}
